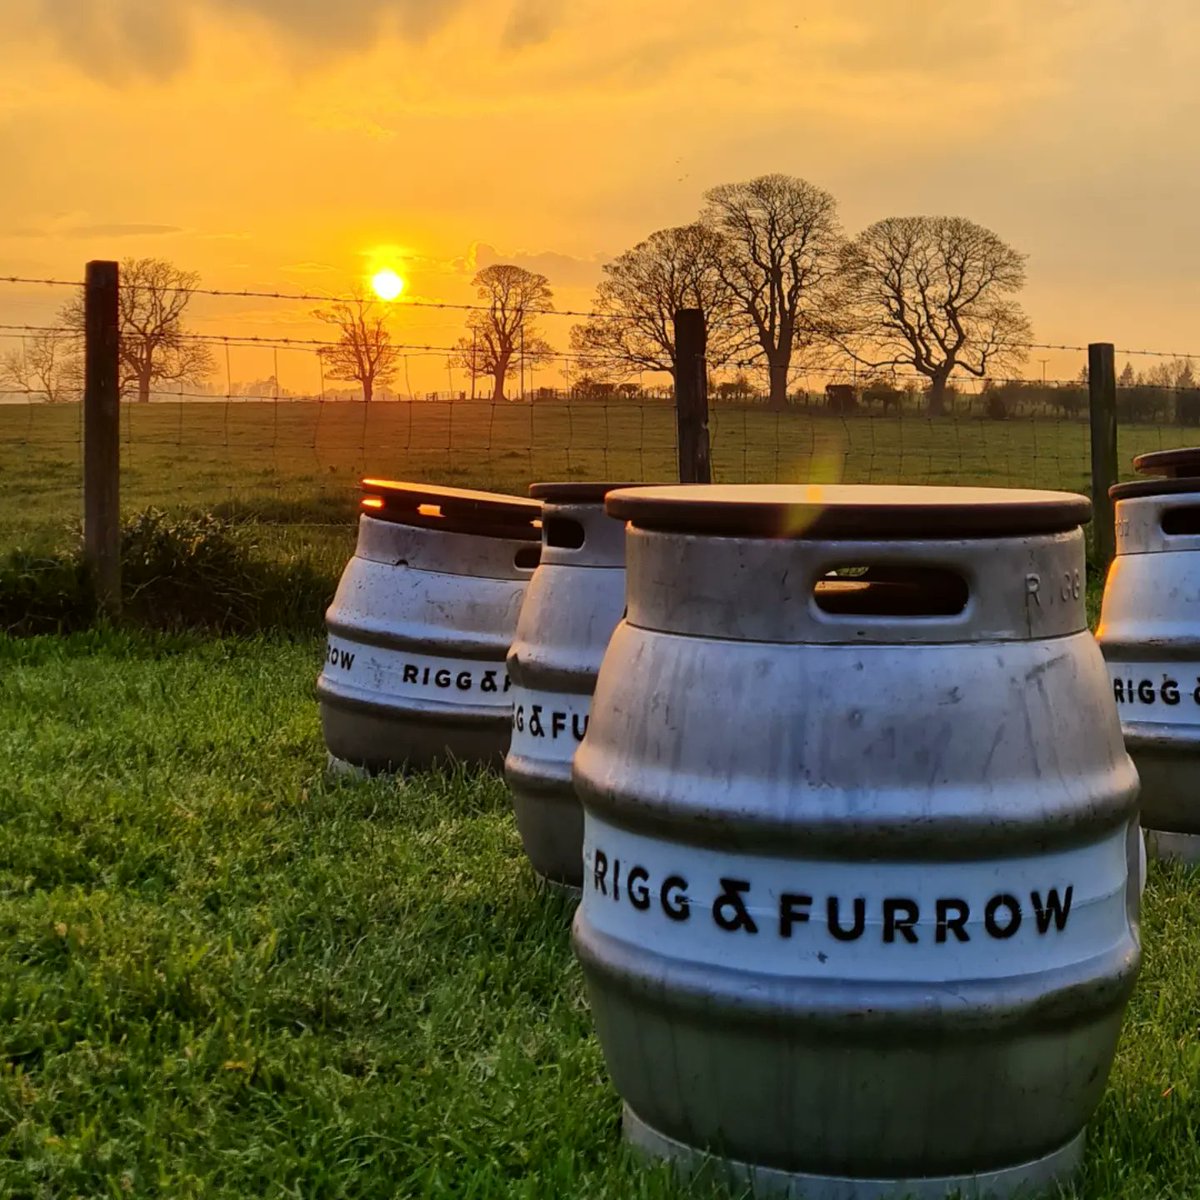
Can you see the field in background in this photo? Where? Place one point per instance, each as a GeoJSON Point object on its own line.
{"type": "Point", "coordinates": [297, 463]}
{"type": "Point", "coordinates": [222, 975]}
{"type": "Point", "coordinates": [198, 997]}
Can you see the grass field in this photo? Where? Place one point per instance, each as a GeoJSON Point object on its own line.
{"type": "Point", "coordinates": [223, 976]}
{"type": "Point", "coordinates": [297, 463]}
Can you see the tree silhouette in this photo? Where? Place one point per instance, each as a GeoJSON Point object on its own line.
{"type": "Point", "coordinates": [636, 304]}
{"type": "Point", "coordinates": [780, 240]}
{"type": "Point", "coordinates": [934, 294]}
{"type": "Point", "coordinates": [155, 348]}
{"type": "Point", "coordinates": [48, 364]}
{"type": "Point", "coordinates": [506, 328]}
{"type": "Point", "coordinates": [364, 352]}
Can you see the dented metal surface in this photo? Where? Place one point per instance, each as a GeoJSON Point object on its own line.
{"type": "Point", "coordinates": [861, 886]}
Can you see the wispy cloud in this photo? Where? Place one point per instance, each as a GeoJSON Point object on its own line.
{"type": "Point", "coordinates": [114, 40]}
{"type": "Point", "coordinates": [120, 230]}
{"type": "Point", "coordinates": [103, 229]}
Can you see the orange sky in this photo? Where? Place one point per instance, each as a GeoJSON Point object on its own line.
{"type": "Point", "coordinates": [293, 144]}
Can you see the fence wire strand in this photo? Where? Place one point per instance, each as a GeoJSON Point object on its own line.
{"type": "Point", "coordinates": [271, 439]}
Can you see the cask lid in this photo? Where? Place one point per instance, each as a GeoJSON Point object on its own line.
{"type": "Point", "coordinates": [1172, 464]}
{"type": "Point", "coordinates": [576, 491]}
{"type": "Point", "coordinates": [456, 510]}
{"type": "Point", "coordinates": [867, 511]}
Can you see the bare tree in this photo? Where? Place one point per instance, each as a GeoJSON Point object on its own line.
{"type": "Point", "coordinates": [779, 257]}
{"type": "Point", "coordinates": [155, 348]}
{"type": "Point", "coordinates": [48, 364]}
{"type": "Point", "coordinates": [634, 329]}
{"type": "Point", "coordinates": [504, 333]}
{"type": "Point", "coordinates": [364, 351]}
{"type": "Point", "coordinates": [934, 294]}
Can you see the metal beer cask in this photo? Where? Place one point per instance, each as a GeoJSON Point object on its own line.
{"type": "Point", "coordinates": [572, 604]}
{"type": "Point", "coordinates": [1150, 634]}
{"type": "Point", "coordinates": [860, 892]}
{"type": "Point", "coordinates": [420, 626]}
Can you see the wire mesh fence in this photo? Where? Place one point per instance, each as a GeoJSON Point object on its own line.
{"type": "Point", "coordinates": [266, 437]}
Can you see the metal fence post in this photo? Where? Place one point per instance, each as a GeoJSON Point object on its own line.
{"type": "Point", "coordinates": [1102, 396]}
{"type": "Point", "coordinates": [691, 396]}
{"type": "Point", "coordinates": [102, 434]}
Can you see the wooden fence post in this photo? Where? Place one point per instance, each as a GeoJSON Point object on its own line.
{"type": "Point", "coordinates": [102, 434]}
{"type": "Point", "coordinates": [1102, 396]}
{"type": "Point", "coordinates": [691, 396]}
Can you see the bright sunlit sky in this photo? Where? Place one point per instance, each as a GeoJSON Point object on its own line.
{"type": "Point", "coordinates": [302, 144]}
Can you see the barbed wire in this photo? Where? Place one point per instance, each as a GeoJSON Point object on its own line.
{"type": "Point", "coordinates": [591, 314]}
{"type": "Point", "coordinates": [75, 283]}
{"type": "Point", "coordinates": [65, 329]}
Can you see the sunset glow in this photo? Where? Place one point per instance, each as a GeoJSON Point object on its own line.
{"type": "Point", "coordinates": [387, 284]}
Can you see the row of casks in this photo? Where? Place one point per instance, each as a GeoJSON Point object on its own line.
{"type": "Point", "coordinates": [860, 865]}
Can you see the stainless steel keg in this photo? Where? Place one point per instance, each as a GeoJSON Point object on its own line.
{"type": "Point", "coordinates": [572, 605]}
{"type": "Point", "coordinates": [420, 626]}
{"type": "Point", "coordinates": [1150, 634]}
{"type": "Point", "coordinates": [860, 900]}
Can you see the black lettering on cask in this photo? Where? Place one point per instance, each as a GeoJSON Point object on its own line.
{"type": "Point", "coordinates": [793, 910]}
{"type": "Point", "coordinates": [992, 918]}
{"type": "Point", "coordinates": [442, 678]}
{"type": "Point", "coordinates": [729, 909]}
{"type": "Point", "coordinates": [1169, 692]}
{"type": "Point", "coordinates": [833, 919]}
{"type": "Point", "coordinates": [637, 885]}
{"type": "Point", "coordinates": [535, 721]}
{"type": "Point", "coordinates": [673, 898]}
{"type": "Point", "coordinates": [576, 731]}
{"type": "Point", "coordinates": [899, 917]}
{"type": "Point", "coordinates": [1054, 911]}
{"type": "Point", "coordinates": [1145, 691]}
{"type": "Point", "coordinates": [1119, 690]}
{"type": "Point", "coordinates": [463, 682]}
{"type": "Point", "coordinates": [558, 723]}
{"type": "Point", "coordinates": [952, 917]}
{"type": "Point", "coordinates": [411, 670]}
{"type": "Point", "coordinates": [488, 683]}
{"type": "Point", "coordinates": [616, 879]}
{"type": "Point", "coordinates": [340, 658]}
{"type": "Point", "coordinates": [599, 871]}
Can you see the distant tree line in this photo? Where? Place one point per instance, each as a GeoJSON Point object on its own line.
{"type": "Point", "coordinates": [892, 316]}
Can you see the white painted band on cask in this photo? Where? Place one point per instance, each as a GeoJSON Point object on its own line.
{"type": "Point", "coordinates": [547, 726]}
{"type": "Point", "coordinates": [1157, 693]}
{"type": "Point", "coordinates": [811, 919]}
{"type": "Point", "coordinates": [402, 674]}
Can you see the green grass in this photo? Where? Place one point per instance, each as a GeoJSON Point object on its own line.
{"type": "Point", "coordinates": [298, 463]}
{"type": "Point", "coordinates": [223, 975]}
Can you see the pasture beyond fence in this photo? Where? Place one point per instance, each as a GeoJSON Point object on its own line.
{"type": "Point", "coordinates": [287, 459]}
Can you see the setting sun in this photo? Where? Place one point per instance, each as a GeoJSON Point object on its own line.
{"type": "Point", "coordinates": [387, 284]}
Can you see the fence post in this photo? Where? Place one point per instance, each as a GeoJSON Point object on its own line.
{"type": "Point", "coordinates": [691, 396]}
{"type": "Point", "coordinates": [102, 435]}
{"type": "Point", "coordinates": [1102, 396]}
